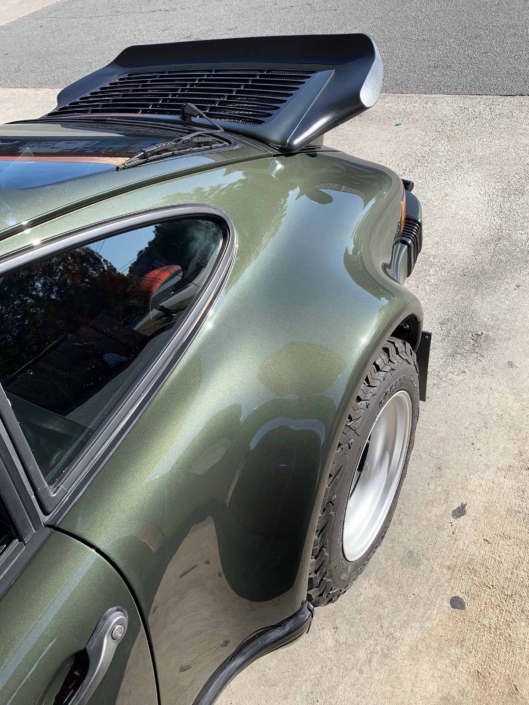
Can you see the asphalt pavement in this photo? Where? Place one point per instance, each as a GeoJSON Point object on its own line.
{"type": "Point", "coordinates": [460, 535]}
{"type": "Point", "coordinates": [428, 46]}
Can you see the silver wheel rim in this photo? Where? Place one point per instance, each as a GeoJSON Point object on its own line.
{"type": "Point", "coordinates": [377, 476]}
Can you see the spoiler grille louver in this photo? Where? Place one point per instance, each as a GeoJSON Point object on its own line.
{"type": "Point", "coordinates": [285, 91]}
{"type": "Point", "coordinates": [247, 96]}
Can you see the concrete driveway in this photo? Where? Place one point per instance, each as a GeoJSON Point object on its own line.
{"type": "Point", "coordinates": [400, 636]}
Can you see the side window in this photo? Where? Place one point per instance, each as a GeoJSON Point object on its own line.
{"type": "Point", "coordinates": [80, 328]}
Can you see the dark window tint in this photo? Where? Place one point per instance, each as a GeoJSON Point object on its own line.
{"type": "Point", "coordinates": [7, 533]}
{"type": "Point", "coordinates": [79, 328]}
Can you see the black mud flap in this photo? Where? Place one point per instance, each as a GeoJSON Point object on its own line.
{"type": "Point", "coordinates": [423, 358]}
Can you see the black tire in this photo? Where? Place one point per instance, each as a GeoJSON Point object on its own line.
{"type": "Point", "coordinates": [331, 574]}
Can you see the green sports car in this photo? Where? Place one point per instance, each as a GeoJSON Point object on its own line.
{"type": "Point", "coordinates": [210, 366]}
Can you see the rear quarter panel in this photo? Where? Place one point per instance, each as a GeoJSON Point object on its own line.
{"type": "Point", "coordinates": [208, 505]}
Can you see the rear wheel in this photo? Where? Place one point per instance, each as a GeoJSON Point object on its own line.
{"type": "Point", "coordinates": [367, 473]}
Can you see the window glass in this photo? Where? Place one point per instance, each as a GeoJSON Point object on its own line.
{"type": "Point", "coordinates": [79, 328]}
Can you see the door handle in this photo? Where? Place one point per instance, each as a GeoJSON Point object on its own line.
{"type": "Point", "coordinates": [100, 651]}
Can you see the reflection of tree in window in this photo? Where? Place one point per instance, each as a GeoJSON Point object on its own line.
{"type": "Point", "coordinates": [42, 303]}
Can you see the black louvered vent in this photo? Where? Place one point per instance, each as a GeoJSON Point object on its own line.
{"type": "Point", "coordinates": [248, 96]}
{"type": "Point", "coordinates": [412, 237]}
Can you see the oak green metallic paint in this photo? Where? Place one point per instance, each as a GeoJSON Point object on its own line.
{"type": "Point", "coordinates": [20, 208]}
{"type": "Point", "coordinates": [209, 503]}
{"type": "Point", "coordinates": [49, 614]}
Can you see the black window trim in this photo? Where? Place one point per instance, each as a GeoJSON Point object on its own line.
{"type": "Point", "coordinates": [16, 557]}
{"type": "Point", "coordinates": [27, 521]}
{"type": "Point", "coordinates": [54, 500]}
{"type": "Point", "coordinates": [23, 518]}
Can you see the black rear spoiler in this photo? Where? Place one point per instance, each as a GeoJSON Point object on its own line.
{"type": "Point", "coordinates": [285, 91]}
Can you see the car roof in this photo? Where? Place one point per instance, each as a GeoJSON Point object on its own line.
{"type": "Point", "coordinates": [50, 168]}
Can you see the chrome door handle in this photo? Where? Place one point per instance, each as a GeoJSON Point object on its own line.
{"type": "Point", "coordinates": [100, 650]}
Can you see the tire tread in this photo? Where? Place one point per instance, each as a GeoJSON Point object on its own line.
{"type": "Point", "coordinates": [321, 590]}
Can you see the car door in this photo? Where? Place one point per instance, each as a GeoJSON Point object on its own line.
{"type": "Point", "coordinates": [70, 630]}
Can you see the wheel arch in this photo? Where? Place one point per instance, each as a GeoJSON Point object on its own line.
{"type": "Point", "coordinates": [405, 323]}
{"type": "Point", "coordinates": [409, 330]}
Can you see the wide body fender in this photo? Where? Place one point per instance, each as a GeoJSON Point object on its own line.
{"type": "Point", "coordinates": [209, 503]}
